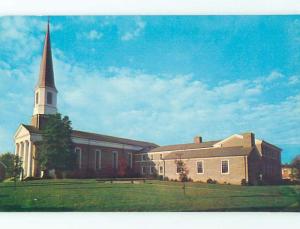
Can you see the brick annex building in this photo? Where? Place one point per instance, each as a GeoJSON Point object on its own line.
{"type": "Point", "coordinates": [236, 158]}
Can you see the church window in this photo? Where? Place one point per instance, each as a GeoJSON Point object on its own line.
{"type": "Point", "coordinates": [115, 160]}
{"type": "Point", "coordinates": [225, 167]}
{"type": "Point", "coordinates": [37, 98]}
{"type": "Point", "coordinates": [129, 162]}
{"type": "Point", "coordinates": [144, 157]}
{"type": "Point", "coordinates": [143, 170]}
{"type": "Point", "coordinates": [79, 156]}
{"type": "Point", "coordinates": [200, 167]}
{"type": "Point", "coordinates": [161, 170]}
{"type": "Point", "coordinates": [49, 98]}
{"type": "Point", "coordinates": [151, 169]}
{"type": "Point", "coordinates": [98, 159]}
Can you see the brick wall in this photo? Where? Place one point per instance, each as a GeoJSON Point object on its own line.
{"type": "Point", "coordinates": [211, 166]}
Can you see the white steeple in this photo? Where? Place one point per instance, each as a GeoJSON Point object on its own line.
{"type": "Point", "coordinates": [45, 99]}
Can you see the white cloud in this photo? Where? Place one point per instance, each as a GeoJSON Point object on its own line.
{"type": "Point", "coordinates": [93, 35]}
{"type": "Point", "coordinates": [275, 75]}
{"type": "Point", "coordinates": [135, 32]}
{"type": "Point", "coordinates": [171, 109]}
{"type": "Point", "coordinates": [293, 80]}
{"type": "Point", "coordinates": [16, 34]}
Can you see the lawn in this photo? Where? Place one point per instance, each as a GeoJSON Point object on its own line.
{"type": "Point", "coordinates": [90, 195]}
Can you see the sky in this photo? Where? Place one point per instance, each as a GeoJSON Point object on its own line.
{"type": "Point", "coordinates": [162, 79]}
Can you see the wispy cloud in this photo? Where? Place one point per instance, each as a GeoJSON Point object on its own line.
{"type": "Point", "coordinates": [135, 31]}
{"type": "Point", "coordinates": [293, 80]}
{"type": "Point", "coordinates": [93, 35]}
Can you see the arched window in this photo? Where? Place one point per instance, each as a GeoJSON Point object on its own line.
{"type": "Point", "coordinates": [49, 98]}
{"type": "Point", "coordinates": [115, 159]}
{"type": "Point", "coordinates": [98, 159]}
{"type": "Point", "coordinates": [79, 156]}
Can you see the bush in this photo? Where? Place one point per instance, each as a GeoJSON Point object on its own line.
{"type": "Point", "coordinates": [244, 182]}
{"type": "Point", "coordinates": [211, 181]}
{"type": "Point", "coordinates": [166, 179]}
{"type": "Point", "coordinates": [160, 177]}
{"type": "Point", "coordinates": [190, 180]}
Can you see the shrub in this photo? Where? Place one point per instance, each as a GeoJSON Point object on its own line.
{"type": "Point", "coordinates": [244, 182]}
{"type": "Point", "coordinates": [166, 179]}
{"type": "Point", "coordinates": [211, 181]}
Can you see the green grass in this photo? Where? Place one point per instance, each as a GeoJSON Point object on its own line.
{"type": "Point", "coordinates": [90, 195]}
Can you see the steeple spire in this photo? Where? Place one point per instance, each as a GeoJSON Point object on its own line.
{"type": "Point", "coordinates": [46, 77]}
{"type": "Point", "coordinates": [45, 99]}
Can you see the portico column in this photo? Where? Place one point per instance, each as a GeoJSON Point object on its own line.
{"type": "Point", "coordinates": [29, 160]}
{"type": "Point", "coordinates": [17, 149]}
{"type": "Point", "coordinates": [26, 159]}
{"type": "Point", "coordinates": [21, 154]}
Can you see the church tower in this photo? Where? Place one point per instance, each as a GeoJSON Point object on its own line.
{"type": "Point", "coordinates": [45, 97]}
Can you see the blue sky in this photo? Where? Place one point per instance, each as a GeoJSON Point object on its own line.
{"type": "Point", "coordinates": [162, 79]}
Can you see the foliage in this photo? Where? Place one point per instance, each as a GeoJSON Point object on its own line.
{"type": "Point", "coordinates": [56, 148]}
{"type": "Point", "coordinates": [183, 173]}
{"type": "Point", "coordinates": [211, 181]}
{"type": "Point", "coordinates": [182, 170]}
{"type": "Point", "coordinates": [296, 165]}
{"type": "Point", "coordinates": [244, 182]}
{"type": "Point", "coordinates": [8, 160]}
{"type": "Point", "coordinates": [17, 168]}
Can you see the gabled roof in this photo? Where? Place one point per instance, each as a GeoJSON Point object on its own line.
{"type": "Point", "coordinates": [99, 137]}
{"type": "Point", "coordinates": [107, 138]}
{"type": "Point", "coordinates": [184, 146]}
{"type": "Point", "coordinates": [32, 129]}
{"type": "Point", "coordinates": [46, 76]}
{"type": "Point", "coordinates": [211, 152]}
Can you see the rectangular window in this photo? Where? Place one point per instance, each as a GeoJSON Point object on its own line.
{"type": "Point", "coordinates": [179, 169]}
{"type": "Point", "coordinates": [79, 156]}
{"type": "Point", "coordinates": [37, 98]}
{"type": "Point", "coordinates": [129, 162]}
{"type": "Point", "coordinates": [161, 170]}
{"type": "Point", "coordinates": [160, 156]}
{"type": "Point", "coordinates": [144, 157]}
{"type": "Point", "coordinates": [49, 98]}
{"type": "Point", "coordinates": [151, 156]}
{"type": "Point", "coordinates": [143, 170]}
{"type": "Point", "coordinates": [200, 167]}
{"type": "Point", "coordinates": [151, 170]}
{"type": "Point", "coordinates": [98, 159]}
{"type": "Point", "coordinates": [225, 167]}
{"type": "Point", "coordinates": [115, 160]}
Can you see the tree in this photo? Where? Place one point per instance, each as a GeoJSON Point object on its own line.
{"type": "Point", "coordinates": [56, 148]}
{"type": "Point", "coordinates": [17, 169]}
{"type": "Point", "coordinates": [183, 172]}
{"type": "Point", "coordinates": [296, 165]}
{"type": "Point", "coordinates": [8, 160]}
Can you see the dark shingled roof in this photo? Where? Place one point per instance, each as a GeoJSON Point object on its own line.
{"type": "Point", "coordinates": [107, 138]}
{"type": "Point", "coordinates": [32, 129]}
{"type": "Point", "coordinates": [184, 146]}
{"type": "Point", "coordinates": [100, 137]}
{"type": "Point", "coordinates": [46, 77]}
{"type": "Point", "coordinates": [212, 152]}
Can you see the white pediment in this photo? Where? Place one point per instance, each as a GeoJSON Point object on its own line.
{"type": "Point", "coordinates": [21, 132]}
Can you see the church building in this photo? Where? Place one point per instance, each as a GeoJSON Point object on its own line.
{"type": "Point", "coordinates": [240, 158]}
